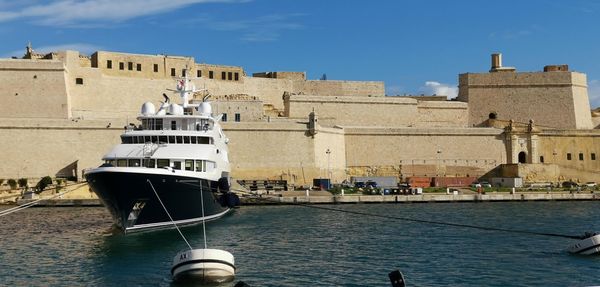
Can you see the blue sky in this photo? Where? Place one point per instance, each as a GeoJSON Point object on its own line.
{"type": "Point", "coordinates": [413, 46]}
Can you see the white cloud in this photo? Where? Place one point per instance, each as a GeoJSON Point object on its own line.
{"type": "Point", "coordinates": [92, 12]}
{"type": "Point", "coordinates": [440, 89]}
{"type": "Point", "coordinates": [83, 48]}
{"type": "Point", "coordinates": [594, 93]}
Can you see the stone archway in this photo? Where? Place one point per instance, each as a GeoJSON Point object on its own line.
{"type": "Point", "coordinates": [492, 116]}
{"type": "Point", "coordinates": [522, 157]}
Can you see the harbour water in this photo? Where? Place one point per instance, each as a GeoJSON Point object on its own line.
{"type": "Point", "coordinates": [300, 246]}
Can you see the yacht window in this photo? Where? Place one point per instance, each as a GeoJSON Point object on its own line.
{"type": "Point", "coordinates": [140, 139]}
{"type": "Point", "coordinates": [193, 139]}
{"type": "Point", "coordinates": [203, 140]}
{"type": "Point", "coordinates": [162, 163]}
{"type": "Point", "coordinates": [200, 165]}
{"type": "Point", "coordinates": [145, 123]}
{"type": "Point", "coordinates": [147, 139]}
{"type": "Point", "coordinates": [197, 127]}
{"type": "Point", "coordinates": [189, 164]}
{"type": "Point", "coordinates": [133, 162]}
{"type": "Point", "coordinates": [176, 165]}
{"type": "Point", "coordinates": [186, 140]}
{"type": "Point", "coordinates": [149, 162]}
{"type": "Point", "coordinates": [121, 162]}
{"type": "Point", "coordinates": [171, 139]}
{"type": "Point", "coordinates": [162, 139]}
{"type": "Point", "coordinates": [179, 139]}
{"type": "Point", "coordinates": [154, 139]}
{"type": "Point", "coordinates": [126, 140]}
{"type": "Point", "coordinates": [134, 140]}
{"type": "Point", "coordinates": [111, 162]}
{"type": "Point", "coordinates": [159, 124]}
{"type": "Point", "coordinates": [173, 125]}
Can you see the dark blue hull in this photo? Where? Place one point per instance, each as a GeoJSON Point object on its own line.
{"type": "Point", "coordinates": [133, 204]}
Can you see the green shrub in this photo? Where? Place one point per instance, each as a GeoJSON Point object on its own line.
{"type": "Point", "coordinates": [12, 183]}
{"type": "Point", "coordinates": [22, 182]}
{"type": "Point", "coordinates": [42, 184]}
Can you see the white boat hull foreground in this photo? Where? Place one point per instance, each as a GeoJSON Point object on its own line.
{"type": "Point", "coordinates": [203, 265]}
{"type": "Point", "coordinates": [587, 246]}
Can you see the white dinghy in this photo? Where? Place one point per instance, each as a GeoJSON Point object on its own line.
{"type": "Point", "coordinates": [203, 265]}
{"type": "Point", "coordinates": [588, 245]}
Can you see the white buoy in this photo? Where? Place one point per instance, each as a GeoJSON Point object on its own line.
{"type": "Point", "coordinates": [203, 265]}
{"type": "Point", "coordinates": [588, 245]}
{"type": "Point", "coordinates": [200, 265]}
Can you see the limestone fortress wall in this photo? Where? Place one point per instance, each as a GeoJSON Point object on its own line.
{"type": "Point", "coordinates": [62, 111]}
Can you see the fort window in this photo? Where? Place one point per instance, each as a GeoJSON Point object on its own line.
{"type": "Point", "coordinates": [230, 76]}
{"type": "Point", "coordinates": [130, 66]}
{"type": "Point", "coordinates": [108, 64]}
{"type": "Point", "coordinates": [568, 156]}
{"type": "Point", "coordinates": [79, 81]}
{"type": "Point", "coordinates": [156, 68]}
{"type": "Point", "coordinates": [236, 76]}
{"type": "Point", "coordinates": [492, 116]}
{"type": "Point", "coordinates": [183, 72]}
{"type": "Point", "coordinates": [522, 157]}
{"type": "Point", "coordinates": [224, 118]}
{"type": "Point", "coordinates": [172, 72]}
{"type": "Point", "coordinates": [237, 117]}
{"type": "Point", "coordinates": [593, 156]}
{"type": "Point", "coordinates": [542, 159]}
{"type": "Point", "coordinates": [210, 74]}
{"type": "Point", "coordinates": [121, 66]}
{"type": "Point", "coordinates": [139, 67]}
{"type": "Point", "coordinates": [223, 75]}
{"type": "Point", "coordinates": [199, 73]}
{"type": "Point", "coordinates": [580, 156]}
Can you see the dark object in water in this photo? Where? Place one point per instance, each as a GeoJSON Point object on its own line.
{"type": "Point", "coordinates": [397, 279]}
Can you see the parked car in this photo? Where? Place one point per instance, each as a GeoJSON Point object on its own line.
{"type": "Point", "coordinates": [476, 184]}
{"type": "Point", "coordinates": [590, 184]}
{"type": "Point", "coordinates": [569, 184]}
{"type": "Point", "coordinates": [485, 184]}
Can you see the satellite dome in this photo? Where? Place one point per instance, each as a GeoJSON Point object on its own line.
{"type": "Point", "coordinates": [205, 109]}
{"type": "Point", "coordinates": [148, 109]}
{"type": "Point", "coordinates": [175, 109]}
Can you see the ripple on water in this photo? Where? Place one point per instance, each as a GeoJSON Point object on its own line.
{"type": "Point", "coordinates": [298, 246]}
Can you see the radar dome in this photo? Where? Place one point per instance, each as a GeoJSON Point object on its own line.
{"type": "Point", "coordinates": [148, 109]}
{"type": "Point", "coordinates": [205, 109]}
{"type": "Point", "coordinates": [175, 109]}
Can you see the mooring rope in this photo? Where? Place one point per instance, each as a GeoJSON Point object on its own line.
{"type": "Point", "coordinates": [171, 218]}
{"type": "Point", "coordinates": [32, 203]}
{"type": "Point", "coordinates": [203, 219]}
{"type": "Point", "coordinates": [418, 220]}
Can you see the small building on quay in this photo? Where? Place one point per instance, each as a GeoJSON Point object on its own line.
{"type": "Point", "coordinates": [62, 111]}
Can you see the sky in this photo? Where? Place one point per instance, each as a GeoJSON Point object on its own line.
{"type": "Point", "coordinates": [414, 47]}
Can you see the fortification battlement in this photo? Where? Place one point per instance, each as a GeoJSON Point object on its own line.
{"type": "Point", "coordinates": [528, 79]}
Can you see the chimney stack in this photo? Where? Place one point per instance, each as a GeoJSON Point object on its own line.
{"type": "Point", "coordinates": [496, 61]}
{"type": "Point", "coordinates": [497, 64]}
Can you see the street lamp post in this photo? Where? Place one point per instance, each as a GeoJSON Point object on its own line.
{"type": "Point", "coordinates": [328, 152]}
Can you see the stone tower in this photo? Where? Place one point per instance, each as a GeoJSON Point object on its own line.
{"type": "Point", "coordinates": [554, 98]}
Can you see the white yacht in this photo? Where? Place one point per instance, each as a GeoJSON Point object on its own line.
{"type": "Point", "coordinates": [179, 151]}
